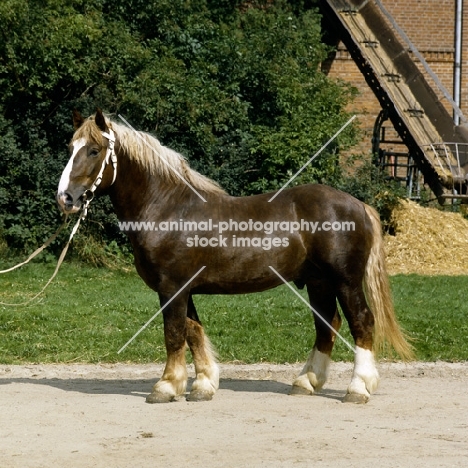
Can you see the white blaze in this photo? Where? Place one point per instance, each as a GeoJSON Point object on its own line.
{"type": "Point", "coordinates": [65, 178]}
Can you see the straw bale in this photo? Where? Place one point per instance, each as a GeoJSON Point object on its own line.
{"type": "Point", "coordinates": [427, 241]}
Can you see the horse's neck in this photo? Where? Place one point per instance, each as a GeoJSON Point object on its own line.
{"type": "Point", "coordinates": [132, 191]}
{"type": "Point", "coordinates": [137, 195]}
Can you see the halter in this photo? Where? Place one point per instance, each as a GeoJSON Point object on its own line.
{"type": "Point", "coordinates": [110, 157]}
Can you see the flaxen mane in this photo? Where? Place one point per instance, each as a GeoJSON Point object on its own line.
{"type": "Point", "coordinates": [147, 151]}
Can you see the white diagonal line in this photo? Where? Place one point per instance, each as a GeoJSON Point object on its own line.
{"type": "Point", "coordinates": [181, 177]}
{"type": "Point", "coordinates": [161, 309]}
{"type": "Point", "coordinates": [312, 158]}
{"type": "Point", "coordinates": [314, 310]}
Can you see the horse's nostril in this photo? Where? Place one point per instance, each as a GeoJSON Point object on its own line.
{"type": "Point", "coordinates": [67, 198]}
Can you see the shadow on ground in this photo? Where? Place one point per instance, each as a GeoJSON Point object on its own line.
{"type": "Point", "coordinates": [141, 387]}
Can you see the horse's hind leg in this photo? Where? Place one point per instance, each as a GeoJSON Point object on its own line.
{"type": "Point", "coordinates": [365, 377]}
{"type": "Point", "coordinates": [315, 372]}
{"type": "Point", "coordinates": [174, 379]}
{"type": "Point", "coordinates": [206, 369]}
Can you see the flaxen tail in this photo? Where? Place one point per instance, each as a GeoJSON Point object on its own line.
{"type": "Point", "coordinates": [377, 288]}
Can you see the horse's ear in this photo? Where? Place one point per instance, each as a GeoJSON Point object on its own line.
{"type": "Point", "coordinates": [77, 119]}
{"type": "Point", "coordinates": [100, 120]}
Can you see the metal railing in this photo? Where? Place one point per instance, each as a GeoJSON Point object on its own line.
{"type": "Point", "coordinates": [451, 158]}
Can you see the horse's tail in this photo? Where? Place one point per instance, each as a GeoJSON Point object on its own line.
{"type": "Point", "coordinates": [377, 288]}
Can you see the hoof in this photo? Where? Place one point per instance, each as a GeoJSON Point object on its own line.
{"type": "Point", "coordinates": [300, 391]}
{"type": "Point", "coordinates": [197, 395]}
{"type": "Point", "coordinates": [157, 397]}
{"type": "Point", "coordinates": [356, 398]}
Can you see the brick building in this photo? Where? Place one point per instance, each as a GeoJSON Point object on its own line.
{"type": "Point", "coordinates": [430, 26]}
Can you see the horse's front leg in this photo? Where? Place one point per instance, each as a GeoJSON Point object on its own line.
{"type": "Point", "coordinates": [204, 358]}
{"type": "Point", "coordinates": [173, 382]}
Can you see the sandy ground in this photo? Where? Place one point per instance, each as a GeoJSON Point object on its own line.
{"type": "Point", "coordinates": [96, 416]}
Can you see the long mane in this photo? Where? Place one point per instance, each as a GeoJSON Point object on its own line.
{"type": "Point", "coordinates": [156, 159]}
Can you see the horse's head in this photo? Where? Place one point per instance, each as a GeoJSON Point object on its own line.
{"type": "Point", "coordinates": [92, 163]}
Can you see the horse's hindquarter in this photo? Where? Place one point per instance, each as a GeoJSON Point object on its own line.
{"type": "Point", "coordinates": [238, 240]}
{"type": "Point", "coordinates": [339, 230]}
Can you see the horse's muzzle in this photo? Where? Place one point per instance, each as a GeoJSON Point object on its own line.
{"type": "Point", "coordinates": [66, 203]}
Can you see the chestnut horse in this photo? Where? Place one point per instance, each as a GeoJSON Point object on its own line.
{"type": "Point", "coordinates": [169, 212]}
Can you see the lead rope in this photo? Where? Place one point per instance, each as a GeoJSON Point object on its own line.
{"type": "Point", "coordinates": [40, 249]}
{"type": "Point", "coordinates": [110, 155]}
{"type": "Point", "coordinates": [37, 252]}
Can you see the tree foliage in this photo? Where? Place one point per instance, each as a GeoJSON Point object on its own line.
{"type": "Point", "coordinates": [234, 86]}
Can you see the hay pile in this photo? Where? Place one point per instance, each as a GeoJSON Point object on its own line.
{"type": "Point", "coordinates": [427, 242]}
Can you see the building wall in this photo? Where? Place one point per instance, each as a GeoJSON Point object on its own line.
{"type": "Point", "coordinates": [430, 25]}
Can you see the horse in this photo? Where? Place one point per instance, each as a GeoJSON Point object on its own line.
{"type": "Point", "coordinates": [171, 211]}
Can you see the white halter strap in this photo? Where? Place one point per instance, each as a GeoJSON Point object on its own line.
{"type": "Point", "coordinates": [110, 157]}
{"type": "Point", "coordinates": [110, 154]}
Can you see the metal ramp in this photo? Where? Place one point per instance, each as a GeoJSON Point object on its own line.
{"type": "Point", "coordinates": [416, 112]}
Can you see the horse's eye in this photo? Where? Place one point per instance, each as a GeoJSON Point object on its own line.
{"type": "Point", "coordinates": [93, 153]}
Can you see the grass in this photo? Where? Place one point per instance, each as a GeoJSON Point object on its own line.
{"type": "Point", "coordinates": [88, 314]}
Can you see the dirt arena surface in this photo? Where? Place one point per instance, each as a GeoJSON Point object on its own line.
{"type": "Point", "coordinates": [96, 416]}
